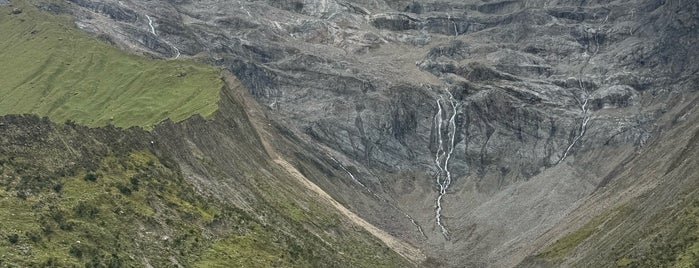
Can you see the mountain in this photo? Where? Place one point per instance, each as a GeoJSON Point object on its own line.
{"type": "Point", "coordinates": [439, 133]}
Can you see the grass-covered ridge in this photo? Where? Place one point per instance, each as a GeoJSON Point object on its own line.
{"type": "Point", "coordinates": [110, 216]}
{"type": "Point", "coordinates": [567, 244]}
{"type": "Point", "coordinates": [73, 196]}
{"type": "Point", "coordinates": [50, 68]}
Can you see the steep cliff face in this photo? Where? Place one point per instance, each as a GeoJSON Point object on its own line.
{"type": "Point", "coordinates": [470, 128]}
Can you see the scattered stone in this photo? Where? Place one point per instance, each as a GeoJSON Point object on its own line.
{"type": "Point", "coordinates": [16, 11]}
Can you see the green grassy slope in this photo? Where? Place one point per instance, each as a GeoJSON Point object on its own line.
{"type": "Point", "coordinates": [92, 218]}
{"type": "Point", "coordinates": [71, 196]}
{"type": "Point", "coordinates": [48, 67]}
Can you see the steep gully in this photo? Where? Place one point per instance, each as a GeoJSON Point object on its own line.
{"type": "Point", "coordinates": [585, 96]}
{"type": "Point", "coordinates": [583, 125]}
{"type": "Point", "coordinates": [260, 127]}
{"type": "Point", "coordinates": [407, 216]}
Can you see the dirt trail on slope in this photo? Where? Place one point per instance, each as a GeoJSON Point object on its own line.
{"type": "Point", "coordinates": [263, 130]}
{"type": "Point", "coordinates": [407, 251]}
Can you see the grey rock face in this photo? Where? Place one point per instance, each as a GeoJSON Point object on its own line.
{"type": "Point", "coordinates": [539, 88]}
{"type": "Point", "coordinates": [114, 11]}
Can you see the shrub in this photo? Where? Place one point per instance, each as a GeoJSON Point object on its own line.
{"type": "Point", "coordinates": [46, 226]}
{"type": "Point", "coordinates": [67, 226]}
{"type": "Point", "coordinates": [58, 187]}
{"type": "Point", "coordinates": [125, 190]}
{"type": "Point", "coordinates": [91, 176]}
{"type": "Point", "coordinates": [134, 183]}
{"type": "Point", "coordinates": [76, 251]}
{"type": "Point", "coordinates": [51, 262]}
{"type": "Point", "coordinates": [13, 238]}
{"type": "Point", "coordinates": [86, 210]}
{"type": "Point", "coordinates": [34, 236]}
{"type": "Point", "coordinates": [21, 194]}
{"type": "Point", "coordinates": [115, 262]}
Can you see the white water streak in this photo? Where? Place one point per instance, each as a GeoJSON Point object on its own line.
{"type": "Point", "coordinates": [443, 177]}
{"type": "Point", "coordinates": [152, 30]}
{"type": "Point", "coordinates": [438, 120]}
{"type": "Point", "coordinates": [349, 173]}
{"type": "Point", "coordinates": [244, 9]}
{"type": "Point", "coordinates": [176, 50]}
{"type": "Point", "coordinates": [276, 24]}
{"type": "Point", "coordinates": [456, 31]}
{"type": "Point", "coordinates": [583, 125]}
{"type": "Point", "coordinates": [586, 97]}
{"type": "Point", "coordinates": [583, 128]}
{"type": "Point", "coordinates": [150, 23]}
{"type": "Point", "coordinates": [452, 124]}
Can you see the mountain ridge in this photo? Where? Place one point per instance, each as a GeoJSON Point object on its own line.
{"type": "Point", "coordinates": [481, 132]}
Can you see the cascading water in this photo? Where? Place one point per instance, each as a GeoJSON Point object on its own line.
{"type": "Point", "coordinates": [150, 23]}
{"type": "Point", "coordinates": [583, 128]}
{"type": "Point", "coordinates": [444, 152]}
{"type": "Point", "coordinates": [152, 31]}
{"type": "Point", "coordinates": [585, 96]}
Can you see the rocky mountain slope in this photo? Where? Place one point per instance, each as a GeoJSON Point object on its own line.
{"type": "Point", "coordinates": [480, 131]}
{"type": "Point", "coordinates": [646, 213]}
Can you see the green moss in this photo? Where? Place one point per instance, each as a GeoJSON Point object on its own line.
{"type": "Point", "coordinates": [564, 246]}
{"type": "Point", "coordinates": [52, 69]}
{"type": "Point", "coordinates": [667, 239]}
{"type": "Point", "coordinates": [252, 249]}
{"type": "Point", "coordinates": [689, 233]}
{"type": "Point", "coordinates": [96, 223]}
{"type": "Point", "coordinates": [673, 241]}
{"type": "Point", "coordinates": [623, 262]}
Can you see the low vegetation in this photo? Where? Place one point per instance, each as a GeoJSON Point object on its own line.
{"type": "Point", "coordinates": [669, 239]}
{"type": "Point", "coordinates": [673, 244]}
{"type": "Point", "coordinates": [77, 197]}
{"type": "Point", "coordinates": [567, 244]}
{"type": "Point", "coordinates": [128, 211]}
{"type": "Point", "coordinates": [51, 68]}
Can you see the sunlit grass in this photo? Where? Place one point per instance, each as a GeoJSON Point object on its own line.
{"type": "Point", "coordinates": [50, 68]}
